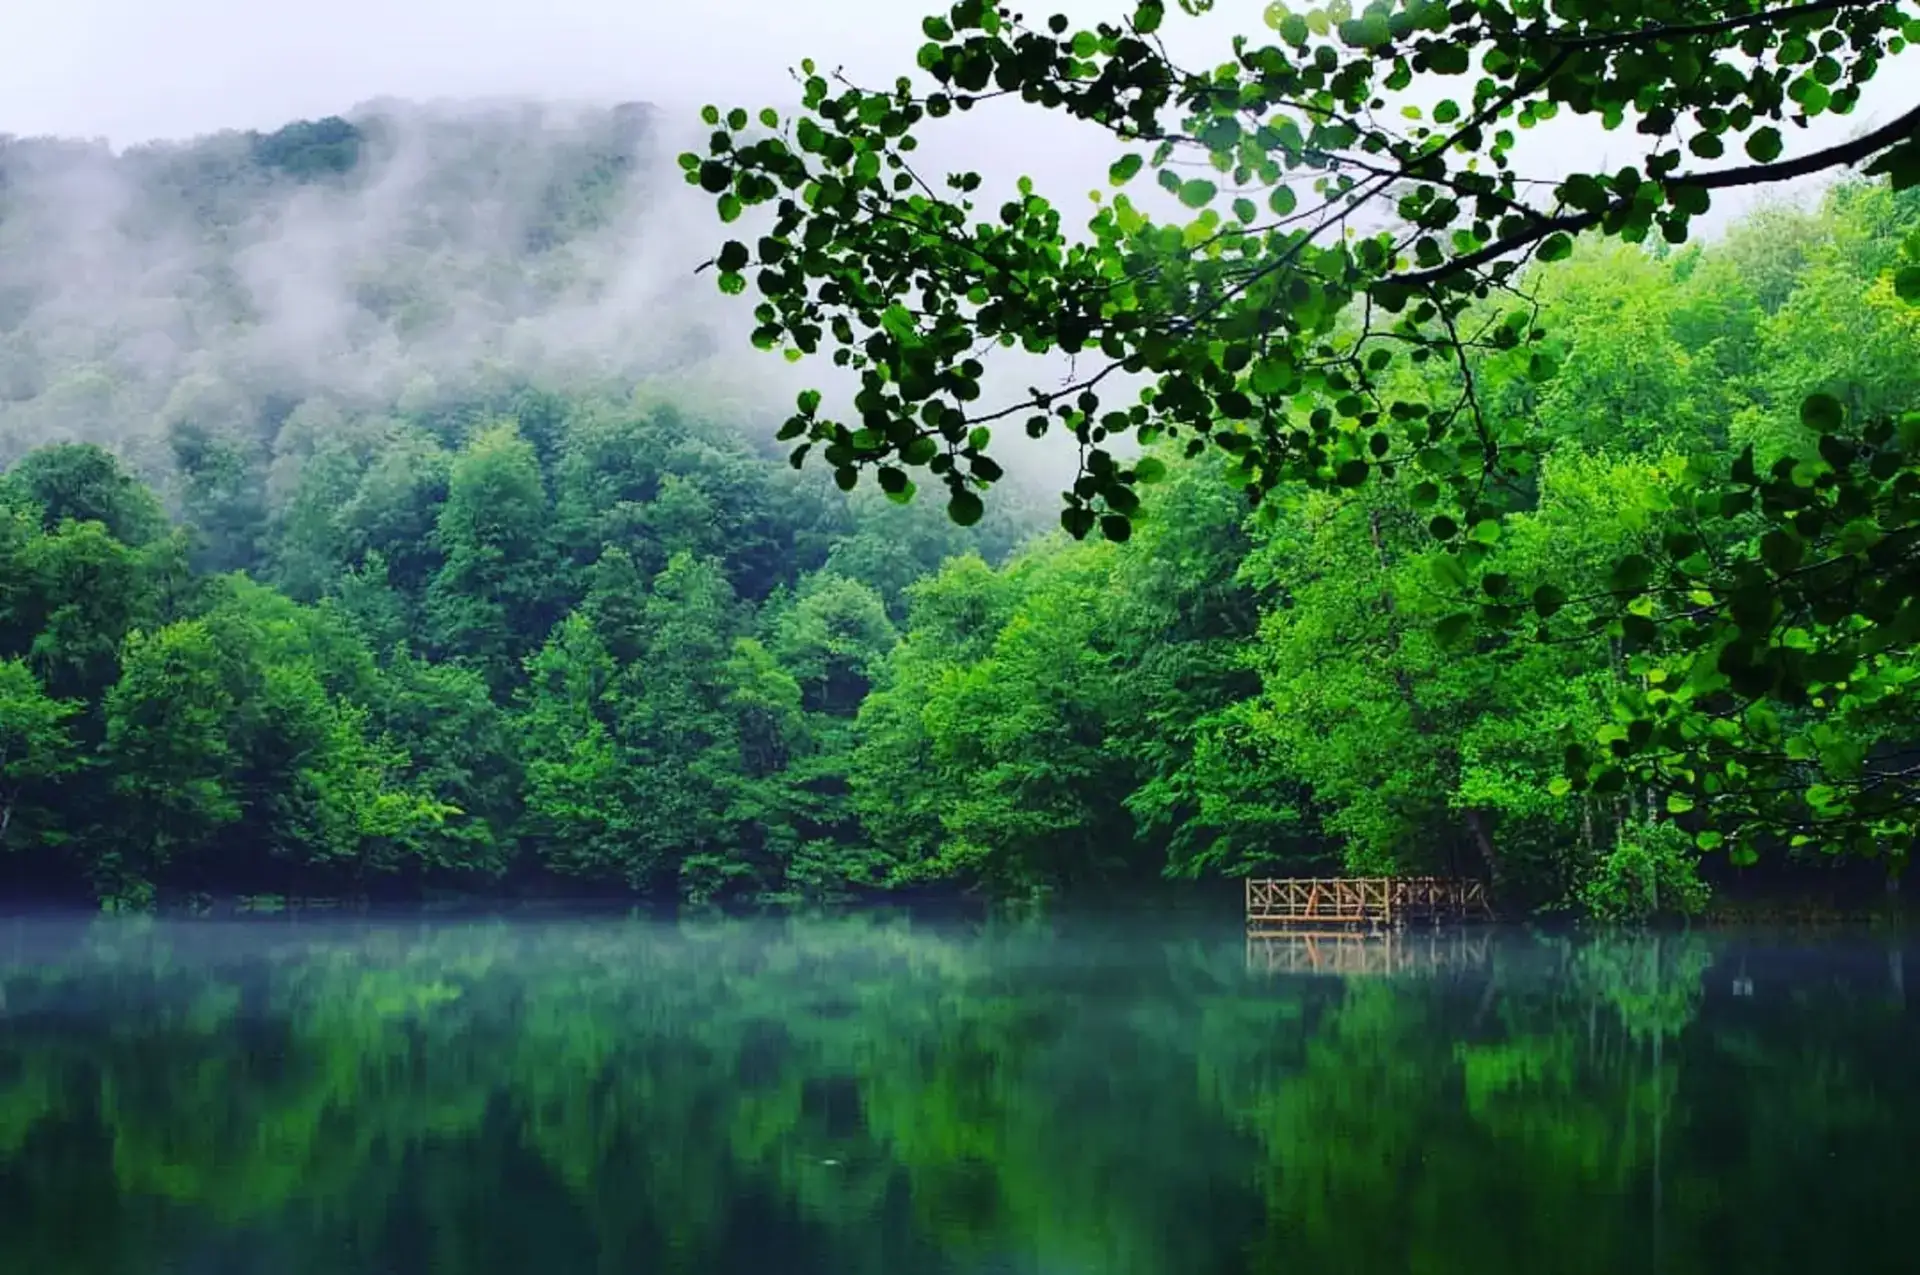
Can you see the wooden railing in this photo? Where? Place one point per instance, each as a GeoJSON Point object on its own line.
{"type": "Point", "coordinates": [1286, 903]}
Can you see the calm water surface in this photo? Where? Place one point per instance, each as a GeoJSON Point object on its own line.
{"type": "Point", "coordinates": [876, 1096]}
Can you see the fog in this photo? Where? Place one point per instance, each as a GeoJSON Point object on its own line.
{"type": "Point", "coordinates": [126, 302]}
{"type": "Point", "coordinates": [470, 244]}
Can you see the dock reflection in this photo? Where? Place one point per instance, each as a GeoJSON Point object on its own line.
{"type": "Point", "coordinates": [1378, 954]}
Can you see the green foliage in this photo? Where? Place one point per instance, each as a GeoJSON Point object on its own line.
{"type": "Point", "coordinates": [1652, 871]}
{"type": "Point", "coordinates": [1239, 324]}
{"type": "Point", "coordinates": [1428, 322]}
{"type": "Point", "coordinates": [491, 592]}
{"type": "Point", "coordinates": [36, 753]}
{"type": "Point", "coordinates": [79, 482]}
{"type": "Point", "coordinates": [309, 148]}
{"type": "Point", "coordinates": [1614, 556]}
{"type": "Point", "coordinates": [832, 639]}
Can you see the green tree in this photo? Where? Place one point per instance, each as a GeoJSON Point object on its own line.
{"type": "Point", "coordinates": [168, 747]}
{"type": "Point", "coordinates": [222, 494]}
{"type": "Point", "coordinates": [831, 639]}
{"type": "Point", "coordinates": [37, 752]}
{"type": "Point", "coordinates": [77, 593]}
{"type": "Point", "coordinates": [496, 588]}
{"type": "Point", "coordinates": [84, 483]}
{"type": "Point", "coordinates": [582, 810]}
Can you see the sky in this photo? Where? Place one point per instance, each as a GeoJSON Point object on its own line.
{"type": "Point", "coordinates": [132, 70]}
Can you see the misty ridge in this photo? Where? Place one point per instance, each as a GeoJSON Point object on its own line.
{"type": "Point", "coordinates": [398, 258]}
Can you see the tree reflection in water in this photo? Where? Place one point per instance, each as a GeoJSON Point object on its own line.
{"type": "Point", "coordinates": [871, 1094]}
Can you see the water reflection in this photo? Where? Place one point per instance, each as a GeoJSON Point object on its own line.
{"type": "Point", "coordinates": [872, 1095]}
{"type": "Point", "coordinates": [1361, 954]}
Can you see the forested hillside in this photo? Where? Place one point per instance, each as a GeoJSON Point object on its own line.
{"type": "Point", "coordinates": [434, 582]}
{"type": "Point", "coordinates": [416, 257]}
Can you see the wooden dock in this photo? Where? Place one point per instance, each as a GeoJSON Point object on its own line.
{"type": "Point", "coordinates": [1291, 903]}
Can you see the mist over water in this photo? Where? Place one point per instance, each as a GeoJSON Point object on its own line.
{"type": "Point", "coordinates": [875, 1094]}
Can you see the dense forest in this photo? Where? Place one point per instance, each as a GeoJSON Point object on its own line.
{"type": "Point", "coordinates": [334, 596]}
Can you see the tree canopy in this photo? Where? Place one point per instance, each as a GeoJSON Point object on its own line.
{"type": "Point", "coordinates": [527, 633]}
{"type": "Point", "coordinates": [1357, 270]}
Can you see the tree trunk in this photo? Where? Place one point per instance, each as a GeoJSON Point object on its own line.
{"type": "Point", "coordinates": [1477, 826]}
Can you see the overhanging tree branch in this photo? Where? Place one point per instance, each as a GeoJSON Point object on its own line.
{"type": "Point", "coordinates": [1726, 26]}
{"type": "Point", "coordinates": [1861, 148]}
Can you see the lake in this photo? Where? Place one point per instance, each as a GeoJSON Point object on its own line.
{"type": "Point", "coordinates": [874, 1094]}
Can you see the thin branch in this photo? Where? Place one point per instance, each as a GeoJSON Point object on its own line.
{"type": "Point", "coordinates": [1724, 26]}
{"type": "Point", "coordinates": [1862, 147]}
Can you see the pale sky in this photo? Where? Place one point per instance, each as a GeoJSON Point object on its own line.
{"type": "Point", "coordinates": [131, 70]}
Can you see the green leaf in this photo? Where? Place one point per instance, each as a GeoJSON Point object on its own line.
{"type": "Point", "coordinates": [1821, 412]}
{"type": "Point", "coordinates": [1450, 571]}
{"type": "Point", "coordinates": [1548, 599]}
{"type": "Point", "coordinates": [1632, 573]}
{"type": "Point", "coordinates": [1906, 284]}
{"type": "Point", "coordinates": [1764, 144]}
{"type": "Point", "coordinates": [1125, 169]}
{"type": "Point", "coordinates": [1900, 164]}
{"type": "Point", "coordinates": [1678, 803]}
{"type": "Point", "coordinates": [1198, 193]}
{"type": "Point", "coordinates": [1454, 629]}
{"type": "Point", "coordinates": [1148, 470]}
{"type": "Point", "coordinates": [965, 508]}
{"type": "Point", "coordinates": [1557, 246]}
